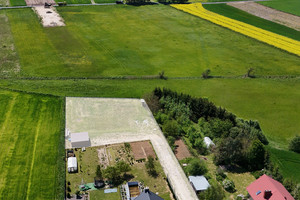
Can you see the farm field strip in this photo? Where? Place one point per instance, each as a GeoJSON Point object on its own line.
{"type": "Point", "coordinates": [270, 38]}
{"type": "Point", "coordinates": [29, 146]}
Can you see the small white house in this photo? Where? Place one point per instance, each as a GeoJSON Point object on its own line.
{"type": "Point", "coordinates": [80, 140]}
{"type": "Point", "coordinates": [199, 183]}
{"type": "Point", "coordinates": [72, 164]}
{"type": "Point", "coordinates": [208, 142]}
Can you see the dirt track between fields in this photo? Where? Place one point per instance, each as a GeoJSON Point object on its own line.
{"type": "Point", "coordinates": [267, 13]}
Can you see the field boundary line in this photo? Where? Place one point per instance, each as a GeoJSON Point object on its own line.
{"type": "Point", "coordinates": [34, 151]}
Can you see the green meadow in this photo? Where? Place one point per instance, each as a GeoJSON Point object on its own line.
{"type": "Point", "coordinates": [32, 146]}
{"type": "Point", "coordinates": [289, 6]}
{"type": "Point", "coordinates": [100, 45]}
{"type": "Point", "coordinates": [106, 41]}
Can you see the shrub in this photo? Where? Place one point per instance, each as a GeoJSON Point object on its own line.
{"type": "Point", "coordinates": [228, 185]}
{"type": "Point", "coordinates": [196, 167]}
{"type": "Point", "coordinates": [295, 144]}
{"type": "Point", "coordinates": [68, 196]}
{"type": "Point", "coordinates": [220, 175]}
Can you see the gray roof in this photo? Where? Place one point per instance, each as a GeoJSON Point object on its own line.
{"type": "Point", "coordinates": [80, 137]}
{"type": "Point", "coordinates": [199, 182]}
{"type": "Point", "coordinates": [148, 196]}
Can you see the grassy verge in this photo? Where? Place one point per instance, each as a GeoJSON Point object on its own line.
{"type": "Point", "coordinates": [289, 6]}
{"type": "Point", "coordinates": [99, 194]}
{"type": "Point", "coordinates": [94, 43]}
{"type": "Point", "coordinates": [243, 16]}
{"type": "Point", "coordinates": [30, 132]}
{"type": "Point", "coordinates": [105, 1]}
{"type": "Point", "coordinates": [17, 3]}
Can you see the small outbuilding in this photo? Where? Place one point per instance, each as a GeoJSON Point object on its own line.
{"type": "Point", "coordinates": [72, 164]}
{"type": "Point", "coordinates": [208, 142]}
{"type": "Point", "coordinates": [199, 183]}
{"type": "Point", "coordinates": [80, 140]}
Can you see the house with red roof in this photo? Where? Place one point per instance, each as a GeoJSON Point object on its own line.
{"type": "Point", "coordinates": [267, 188]}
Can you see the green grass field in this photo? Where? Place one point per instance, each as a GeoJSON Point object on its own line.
{"type": "Point", "coordinates": [289, 6]}
{"type": "Point", "coordinates": [9, 63]}
{"type": "Point", "coordinates": [17, 3]}
{"type": "Point", "coordinates": [31, 146]}
{"type": "Point", "coordinates": [243, 16]}
{"type": "Point", "coordinates": [288, 162]}
{"type": "Point", "coordinates": [102, 41]}
{"type": "Point", "coordinates": [99, 194]}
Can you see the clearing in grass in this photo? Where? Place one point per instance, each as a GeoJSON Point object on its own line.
{"type": "Point", "coordinates": [31, 146]}
{"type": "Point", "coordinates": [93, 44]}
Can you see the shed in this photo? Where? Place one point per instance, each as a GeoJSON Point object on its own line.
{"type": "Point", "coordinates": [79, 140]}
{"type": "Point", "coordinates": [72, 164]}
{"type": "Point", "coordinates": [199, 183]}
{"type": "Point", "coordinates": [208, 142]}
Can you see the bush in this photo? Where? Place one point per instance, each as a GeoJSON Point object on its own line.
{"type": "Point", "coordinates": [196, 167]}
{"type": "Point", "coordinates": [220, 175]}
{"type": "Point", "coordinates": [228, 185]}
{"type": "Point", "coordinates": [171, 128]}
{"type": "Point", "coordinates": [68, 196]}
{"type": "Point", "coordinates": [295, 144]}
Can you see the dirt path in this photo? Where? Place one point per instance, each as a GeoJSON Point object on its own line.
{"type": "Point", "coordinates": [267, 13]}
{"type": "Point", "coordinates": [49, 16]}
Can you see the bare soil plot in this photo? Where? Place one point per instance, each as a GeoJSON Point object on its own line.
{"type": "Point", "coordinates": [113, 121]}
{"type": "Point", "coordinates": [267, 13]}
{"type": "Point", "coordinates": [49, 16]}
{"type": "Point", "coordinates": [181, 150]}
{"type": "Point", "coordinates": [141, 150]}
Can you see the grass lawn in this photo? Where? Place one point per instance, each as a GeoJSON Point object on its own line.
{"type": "Point", "coordinates": [105, 1]}
{"type": "Point", "coordinates": [243, 16]}
{"type": "Point", "coordinates": [289, 163]}
{"type": "Point", "coordinates": [289, 6]}
{"type": "Point", "coordinates": [17, 3]}
{"type": "Point", "coordinates": [102, 41]}
{"type": "Point", "coordinates": [9, 59]}
{"type": "Point", "coordinates": [76, 1]}
{"type": "Point", "coordinates": [99, 194]}
{"type": "Point", "coordinates": [31, 165]}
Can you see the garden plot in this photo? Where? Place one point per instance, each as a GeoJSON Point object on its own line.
{"type": "Point", "coordinates": [110, 121]}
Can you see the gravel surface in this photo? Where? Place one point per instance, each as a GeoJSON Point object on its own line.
{"type": "Point", "coordinates": [270, 14]}
{"type": "Point", "coordinates": [49, 16]}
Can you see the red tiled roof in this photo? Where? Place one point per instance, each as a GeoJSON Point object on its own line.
{"type": "Point", "coordinates": [258, 187]}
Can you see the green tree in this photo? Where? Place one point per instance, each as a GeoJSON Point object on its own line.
{"type": "Point", "coordinates": [214, 192]}
{"type": "Point", "coordinates": [196, 167]}
{"type": "Point", "coordinates": [295, 144]}
{"type": "Point", "coordinates": [256, 155]}
{"type": "Point", "coordinates": [152, 102]}
{"type": "Point", "coordinates": [112, 173]}
{"type": "Point", "coordinates": [151, 166]}
{"type": "Point", "coordinates": [206, 73]}
{"type": "Point", "coordinates": [171, 128]}
{"type": "Point", "coordinates": [123, 167]}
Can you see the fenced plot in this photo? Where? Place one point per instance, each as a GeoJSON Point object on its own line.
{"type": "Point", "coordinates": [141, 150]}
{"type": "Point", "coordinates": [110, 121]}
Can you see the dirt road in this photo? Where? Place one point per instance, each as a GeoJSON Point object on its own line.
{"type": "Point", "coordinates": [267, 13]}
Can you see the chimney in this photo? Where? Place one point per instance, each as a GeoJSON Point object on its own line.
{"type": "Point", "coordinates": [267, 194]}
{"type": "Point", "coordinates": [146, 190]}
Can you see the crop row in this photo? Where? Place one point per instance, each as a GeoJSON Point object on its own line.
{"type": "Point", "coordinates": [285, 43]}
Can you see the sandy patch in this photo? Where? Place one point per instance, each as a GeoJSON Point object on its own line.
{"type": "Point", "coordinates": [49, 16]}
{"type": "Point", "coordinates": [270, 14]}
{"type": "Point", "coordinates": [113, 121]}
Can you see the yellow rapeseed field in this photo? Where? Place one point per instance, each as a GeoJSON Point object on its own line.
{"type": "Point", "coordinates": [285, 43]}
